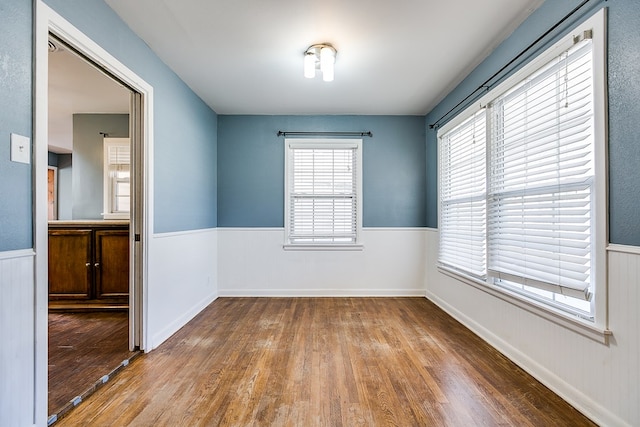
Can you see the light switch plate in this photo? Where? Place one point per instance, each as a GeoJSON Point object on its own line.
{"type": "Point", "coordinates": [20, 148]}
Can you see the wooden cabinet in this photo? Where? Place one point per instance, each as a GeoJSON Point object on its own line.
{"type": "Point", "coordinates": [89, 263]}
{"type": "Point", "coordinates": [70, 264]}
{"type": "Point", "coordinates": [111, 264]}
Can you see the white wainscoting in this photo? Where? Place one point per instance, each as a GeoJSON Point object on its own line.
{"type": "Point", "coordinates": [17, 338]}
{"type": "Point", "coordinates": [252, 262]}
{"type": "Point", "coordinates": [602, 381]}
{"type": "Point", "coordinates": [182, 281]}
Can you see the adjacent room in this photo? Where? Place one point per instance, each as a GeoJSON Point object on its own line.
{"type": "Point", "coordinates": [319, 213]}
{"type": "Point", "coordinates": [88, 200]}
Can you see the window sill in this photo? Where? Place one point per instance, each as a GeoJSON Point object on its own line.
{"type": "Point", "coordinates": [320, 247]}
{"type": "Point", "coordinates": [115, 216]}
{"type": "Point", "coordinates": [574, 323]}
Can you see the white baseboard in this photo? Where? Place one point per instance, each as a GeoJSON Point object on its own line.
{"type": "Point", "coordinates": [289, 293]}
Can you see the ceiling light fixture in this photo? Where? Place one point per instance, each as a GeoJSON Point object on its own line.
{"type": "Point", "coordinates": [320, 57]}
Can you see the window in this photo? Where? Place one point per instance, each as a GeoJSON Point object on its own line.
{"type": "Point", "coordinates": [323, 192]}
{"type": "Point", "coordinates": [463, 196]}
{"type": "Point", "coordinates": [117, 198]}
{"type": "Point", "coordinates": [521, 182]}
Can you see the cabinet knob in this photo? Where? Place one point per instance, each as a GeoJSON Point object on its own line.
{"type": "Point", "coordinates": [88, 264]}
{"type": "Point", "coordinates": [97, 264]}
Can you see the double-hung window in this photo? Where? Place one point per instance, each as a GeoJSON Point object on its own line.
{"type": "Point", "coordinates": [117, 177]}
{"type": "Point", "coordinates": [323, 200]}
{"type": "Point", "coordinates": [521, 181]}
{"type": "Point", "coordinates": [463, 195]}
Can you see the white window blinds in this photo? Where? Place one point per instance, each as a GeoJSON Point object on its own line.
{"type": "Point", "coordinates": [323, 197]}
{"type": "Point", "coordinates": [118, 155]}
{"type": "Point", "coordinates": [117, 172]}
{"type": "Point", "coordinates": [463, 196]}
{"type": "Point", "coordinates": [541, 178]}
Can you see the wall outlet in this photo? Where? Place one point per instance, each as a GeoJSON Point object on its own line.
{"type": "Point", "coordinates": [20, 149]}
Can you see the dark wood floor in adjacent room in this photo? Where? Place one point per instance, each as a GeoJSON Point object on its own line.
{"type": "Point", "coordinates": [323, 362]}
{"type": "Point", "coordinates": [83, 347]}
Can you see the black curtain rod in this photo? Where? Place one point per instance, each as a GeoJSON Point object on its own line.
{"type": "Point", "coordinates": [486, 85]}
{"type": "Point", "coordinates": [286, 133]}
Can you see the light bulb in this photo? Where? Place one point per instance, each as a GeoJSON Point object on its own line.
{"type": "Point", "coordinates": [309, 65]}
{"type": "Point", "coordinates": [327, 59]}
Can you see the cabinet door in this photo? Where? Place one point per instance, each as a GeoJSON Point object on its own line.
{"type": "Point", "coordinates": [70, 272]}
{"type": "Point", "coordinates": [112, 264]}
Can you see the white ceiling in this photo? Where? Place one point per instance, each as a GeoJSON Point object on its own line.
{"type": "Point", "coordinates": [77, 87]}
{"type": "Point", "coordinates": [394, 57]}
{"type": "Point", "coordinates": [245, 56]}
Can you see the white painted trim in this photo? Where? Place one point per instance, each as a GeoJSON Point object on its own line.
{"type": "Point", "coordinates": [599, 304]}
{"type": "Point", "coordinates": [183, 233]}
{"type": "Point", "coordinates": [161, 336]}
{"type": "Point", "coordinates": [590, 330]}
{"type": "Point", "coordinates": [20, 253]}
{"type": "Point", "coordinates": [47, 20]}
{"type": "Point", "coordinates": [292, 143]}
{"type": "Point", "coordinates": [322, 293]}
{"type": "Point", "coordinates": [589, 407]}
{"type": "Point", "coordinates": [323, 247]}
{"type": "Point", "coordinates": [108, 190]}
{"type": "Point", "coordinates": [42, 17]}
{"type": "Point", "coordinates": [624, 249]}
{"type": "Point", "coordinates": [63, 29]}
{"type": "Point", "coordinates": [558, 317]}
{"type": "Point", "coordinates": [368, 229]}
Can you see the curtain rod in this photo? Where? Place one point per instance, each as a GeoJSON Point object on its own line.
{"type": "Point", "coordinates": [286, 133]}
{"type": "Point", "coordinates": [486, 85]}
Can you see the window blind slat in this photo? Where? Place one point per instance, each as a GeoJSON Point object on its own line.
{"type": "Point", "coordinates": [323, 199]}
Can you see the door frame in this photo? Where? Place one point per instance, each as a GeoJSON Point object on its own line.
{"type": "Point", "coordinates": [141, 120]}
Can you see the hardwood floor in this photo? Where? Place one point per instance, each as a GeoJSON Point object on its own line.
{"type": "Point", "coordinates": [323, 362]}
{"type": "Point", "coordinates": [83, 347]}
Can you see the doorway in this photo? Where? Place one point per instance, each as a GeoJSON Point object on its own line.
{"type": "Point", "coordinates": [88, 268]}
{"type": "Point", "coordinates": [95, 219]}
{"type": "Point", "coordinates": [50, 24]}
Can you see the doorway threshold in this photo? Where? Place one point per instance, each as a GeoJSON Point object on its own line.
{"type": "Point", "coordinates": [73, 403]}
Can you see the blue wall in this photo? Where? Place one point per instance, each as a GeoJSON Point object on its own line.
{"type": "Point", "coordinates": [251, 168]}
{"type": "Point", "coordinates": [15, 117]}
{"type": "Point", "coordinates": [87, 182]}
{"type": "Point", "coordinates": [185, 128]}
{"type": "Point", "coordinates": [624, 108]}
{"type": "Point", "coordinates": [52, 159]}
{"type": "Point", "coordinates": [624, 122]}
{"type": "Point", "coordinates": [185, 151]}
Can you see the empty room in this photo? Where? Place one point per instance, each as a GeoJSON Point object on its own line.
{"type": "Point", "coordinates": [328, 213]}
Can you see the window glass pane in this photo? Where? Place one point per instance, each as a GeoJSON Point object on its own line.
{"type": "Point", "coordinates": [541, 178]}
{"type": "Point", "coordinates": [517, 185]}
{"type": "Point", "coordinates": [463, 196]}
{"type": "Point", "coordinates": [322, 194]}
{"type": "Point", "coordinates": [116, 177]}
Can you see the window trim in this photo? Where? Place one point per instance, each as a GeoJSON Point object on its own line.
{"type": "Point", "coordinates": [598, 328]}
{"type": "Point", "coordinates": [109, 182]}
{"type": "Point", "coordinates": [323, 143]}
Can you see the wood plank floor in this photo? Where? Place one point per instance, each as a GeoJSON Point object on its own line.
{"type": "Point", "coordinates": [323, 362]}
{"type": "Point", "coordinates": [83, 347]}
